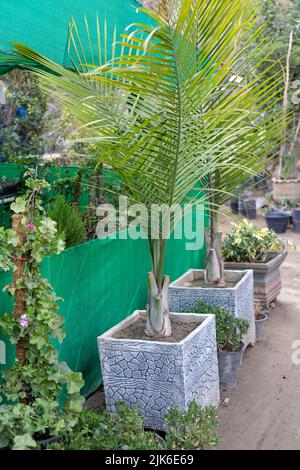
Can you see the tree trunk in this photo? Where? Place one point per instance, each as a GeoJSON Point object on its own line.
{"type": "Point", "coordinates": [158, 315]}
{"type": "Point", "coordinates": [20, 293]}
{"type": "Point", "coordinates": [214, 271]}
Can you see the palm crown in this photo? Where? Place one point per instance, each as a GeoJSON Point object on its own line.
{"type": "Point", "coordinates": [180, 102]}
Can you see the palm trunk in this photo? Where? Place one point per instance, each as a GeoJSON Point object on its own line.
{"type": "Point", "coordinates": [158, 315]}
{"type": "Point", "coordinates": [214, 272]}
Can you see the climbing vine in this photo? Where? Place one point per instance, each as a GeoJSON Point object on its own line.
{"type": "Point", "coordinates": [34, 389]}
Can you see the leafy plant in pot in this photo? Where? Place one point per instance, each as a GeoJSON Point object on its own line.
{"type": "Point", "coordinates": [164, 114]}
{"type": "Point", "coordinates": [230, 333]}
{"type": "Point", "coordinates": [33, 386]}
{"type": "Point", "coordinates": [258, 249]}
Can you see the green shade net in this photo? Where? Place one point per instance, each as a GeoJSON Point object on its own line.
{"type": "Point", "coordinates": [101, 282]}
{"type": "Point", "coordinates": [43, 26]}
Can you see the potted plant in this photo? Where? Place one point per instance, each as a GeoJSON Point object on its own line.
{"type": "Point", "coordinates": [230, 334]}
{"type": "Point", "coordinates": [33, 388]}
{"type": "Point", "coordinates": [260, 319]}
{"type": "Point", "coordinates": [164, 115]}
{"type": "Point", "coordinates": [287, 184]}
{"type": "Point", "coordinates": [261, 250]}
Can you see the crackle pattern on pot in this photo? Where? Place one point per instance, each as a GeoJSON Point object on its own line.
{"type": "Point", "coordinates": [238, 300]}
{"type": "Point", "coordinates": [154, 376]}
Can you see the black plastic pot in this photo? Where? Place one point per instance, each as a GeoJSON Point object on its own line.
{"type": "Point", "coordinates": [296, 227]}
{"type": "Point", "coordinates": [8, 188]}
{"type": "Point", "coordinates": [259, 326]}
{"type": "Point", "coordinates": [241, 206]}
{"type": "Point", "coordinates": [234, 205]}
{"type": "Point", "coordinates": [278, 221]}
{"type": "Point", "coordinates": [250, 208]}
{"type": "Point", "coordinates": [261, 181]}
{"type": "Point", "coordinates": [229, 366]}
{"type": "Point", "coordinates": [296, 215]}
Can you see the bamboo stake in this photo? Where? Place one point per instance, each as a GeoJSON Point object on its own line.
{"type": "Point", "coordinates": [285, 99]}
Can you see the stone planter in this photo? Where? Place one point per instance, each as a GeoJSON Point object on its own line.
{"type": "Point", "coordinates": [267, 277]}
{"type": "Point", "coordinates": [286, 189]}
{"type": "Point", "coordinates": [238, 300]}
{"type": "Point", "coordinates": [155, 376]}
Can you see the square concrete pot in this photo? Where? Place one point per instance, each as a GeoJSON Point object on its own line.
{"type": "Point", "coordinates": [155, 376]}
{"type": "Point", "coordinates": [267, 277]}
{"type": "Point", "coordinates": [238, 300]}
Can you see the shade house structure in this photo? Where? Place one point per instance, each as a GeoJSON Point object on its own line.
{"type": "Point", "coordinates": [43, 25]}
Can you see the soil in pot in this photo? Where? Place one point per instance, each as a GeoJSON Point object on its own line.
{"type": "Point", "coordinates": [200, 283]}
{"type": "Point", "coordinates": [136, 330]}
{"type": "Point", "coordinates": [278, 221]}
{"type": "Point", "coordinates": [259, 325]}
{"type": "Point", "coordinates": [229, 366]}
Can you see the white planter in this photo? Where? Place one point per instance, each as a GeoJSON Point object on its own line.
{"type": "Point", "coordinates": [155, 376]}
{"type": "Point", "coordinates": [238, 300]}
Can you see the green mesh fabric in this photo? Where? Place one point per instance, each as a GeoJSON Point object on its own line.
{"type": "Point", "coordinates": [101, 282]}
{"type": "Point", "coordinates": [43, 25]}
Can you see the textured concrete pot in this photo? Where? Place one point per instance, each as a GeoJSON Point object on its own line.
{"type": "Point", "coordinates": [286, 189]}
{"type": "Point", "coordinates": [238, 300]}
{"type": "Point", "coordinates": [267, 277]}
{"type": "Point", "coordinates": [154, 376]}
{"type": "Point", "coordinates": [229, 368]}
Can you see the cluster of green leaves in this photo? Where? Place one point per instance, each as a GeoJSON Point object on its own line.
{"type": "Point", "coordinates": [23, 135]}
{"type": "Point", "coordinates": [32, 389]}
{"type": "Point", "coordinates": [230, 330]}
{"type": "Point", "coordinates": [124, 430]}
{"type": "Point", "coordinates": [248, 243]}
{"type": "Point", "coordinates": [70, 225]}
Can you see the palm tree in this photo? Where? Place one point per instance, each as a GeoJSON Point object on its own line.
{"type": "Point", "coordinates": [180, 102]}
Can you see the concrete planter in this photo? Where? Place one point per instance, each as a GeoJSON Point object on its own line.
{"type": "Point", "coordinates": [267, 277]}
{"type": "Point", "coordinates": [286, 189]}
{"type": "Point", "coordinates": [155, 376]}
{"type": "Point", "coordinates": [238, 300]}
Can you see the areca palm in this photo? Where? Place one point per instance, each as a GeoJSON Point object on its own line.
{"type": "Point", "coordinates": [179, 103]}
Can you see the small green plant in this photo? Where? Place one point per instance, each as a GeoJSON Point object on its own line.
{"type": "Point", "coordinates": [70, 225]}
{"type": "Point", "coordinates": [124, 430]}
{"type": "Point", "coordinates": [195, 429]}
{"type": "Point", "coordinates": [248, 243]}
{"type": "Point", "coordinates": [229, 329]}
{"type": "Point", "coordinates": [32, 388]}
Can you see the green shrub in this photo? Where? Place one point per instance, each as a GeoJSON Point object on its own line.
{"type": "Point", "coordinates": [70, 225]}
{"type": "Point", "coordinates": [195, 429]}
{"type": "Point", "coordinates": [229, 329]}
{"type": "Point", "coordinates": [124, 430]}
{"type": "Point", "coordinates": [249, 243]}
